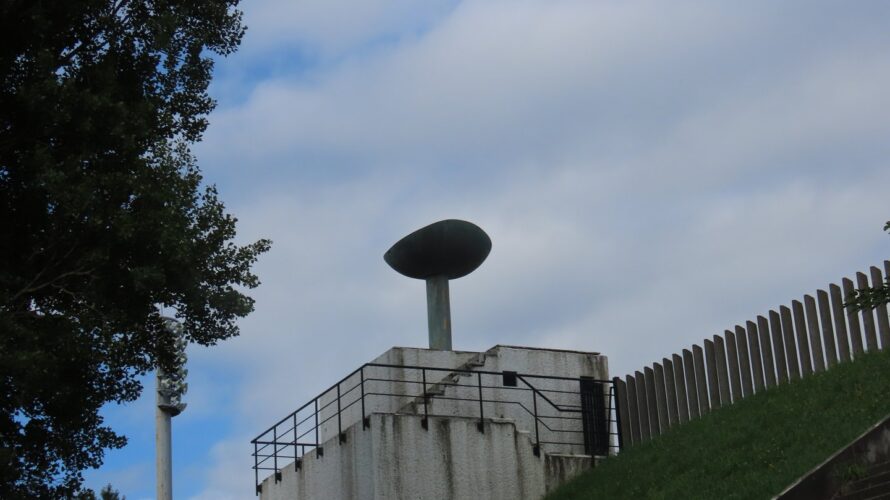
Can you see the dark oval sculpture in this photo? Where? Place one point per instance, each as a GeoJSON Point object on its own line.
{"type": "Point", "coordinates": [451, 248]}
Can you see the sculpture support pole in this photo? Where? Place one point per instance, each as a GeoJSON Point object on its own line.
{"type": "Point", "coordinates": [438, 308]}
{"type": "Point", "coordinates": [164, 458]}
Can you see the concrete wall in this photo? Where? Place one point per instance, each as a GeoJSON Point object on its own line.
{"type": "Point", "coordinates": [397, 459]}
{"type": "Point", "coordinates": [517, 404]}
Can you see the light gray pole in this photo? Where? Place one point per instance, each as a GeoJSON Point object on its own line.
{"type": "Point", "coordinates": [170, 389]}
{"type": "Point", "coordinates": [163, 444]}
{"type": "Point", "coordinates": [438, 308]}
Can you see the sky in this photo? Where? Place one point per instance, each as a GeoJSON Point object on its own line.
{"type": "Point", "coordinates": [650, 174]}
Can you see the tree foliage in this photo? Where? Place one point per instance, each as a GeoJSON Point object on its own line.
{"type": "Point", "coordinates": [869, 298]}
{"type": "Point", "coordinates": [104, 219]}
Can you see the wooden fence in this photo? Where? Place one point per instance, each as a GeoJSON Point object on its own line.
{"type": "Point", "coordinates": [809, 337]}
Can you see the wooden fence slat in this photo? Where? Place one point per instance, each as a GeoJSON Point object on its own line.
{"type": "Point", "coordinates": [790, 344]}
{"type": "Point", "coordinates": [643, 406]}
{"type": "Point", "coordinates": [713, 383]}
{"type": "Point", "coordinates": [633, 413]}
{"type": "Point", "coordinates": [652, 402]}
{"type": "Point", "coordinates": [881, 311]}
{"type": "Point", "coordinates": [670, 392]}
{"type": "Point", "coordinates": [680, 385]}
{"type": "Point", "coordinates": [840, 322]}
{"type": "Point", "coordinates": [722, 372]}
{"type": "Point", "coordinates": [852, 320]}
{"type": "Point", "coordinates": [769, 366]}
{"type": "Point", "coordinates": [868, 317]}
{"type": "Point", "coordinates": [803, 340]}
{"type": "Point", "coordinates": [664, 420]}
{"type": "Point", "coordinates": [623, 412]}
{"type": "Point", "coordinates": [815, 333]}
{"type": "Point", "coordinates": [741, 339]}
{"type": "Point", "coordinates": [691, 384]}
{"type": "Point", "coordinates": [701, 379]}
{"type": "Point", "coordinates": [779, 349]}
{"type": "Point", "coordinates": [827, 330]}
{"type": "Point", "coordinates": [732, 358]}
{"type": "Point", "coordinates": [756, 361]}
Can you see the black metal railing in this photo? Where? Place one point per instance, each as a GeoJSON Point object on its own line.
{"type": "Point", "coordinates": [564, 414]}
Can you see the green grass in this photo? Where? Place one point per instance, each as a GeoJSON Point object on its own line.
{"type": "Point", "coordinates": [753, 449]}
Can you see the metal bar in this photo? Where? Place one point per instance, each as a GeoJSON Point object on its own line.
{"type": "Point", "coordinates": [481, 425]}
{"type": "Point", "coordinates": [339, 418]}
{"type": "Point", "coordinates": [362, 382]}
{"type": "Point", "coordinates": [275, 449]}
{"type": "Point", "coordinates": [316, 422]}
{"type": "Point", "coordinates": [256, 471]}
{"type": "Point", "coordinates": [537, 430]}
{"type": "Point", "coordinates": [424, 422]}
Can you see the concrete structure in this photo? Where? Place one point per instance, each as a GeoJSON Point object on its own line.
{"type": "Point", "coordinates": [390, 445]}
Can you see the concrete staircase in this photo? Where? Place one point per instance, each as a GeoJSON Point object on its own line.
{"type": "Point", "coordinates": [415, 406]}
{"type": "Point", "coordinates": [858, 471]}
{"type": "Point", "coordinates": [872, 483]}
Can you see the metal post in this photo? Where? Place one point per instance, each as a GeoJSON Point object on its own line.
{"type": "Point", "coordinates": [537, 448]}
{"type": "Point", "coordinates": [256, 469]}
{"type": "Point", "coordinates": [163, 437]}
{"type": "Point", "coordinates": [366, 422]}
{"type": "Point", "coordinates": [481, 424]}
{"type": "Point", "coordinates": [424, 422]}
{"type": "Point", "coordinates": [275, 451]}
{"type": "Point", "coordinates": [342, 437]}
{"type": "Point", "coordinates": [438, 308]}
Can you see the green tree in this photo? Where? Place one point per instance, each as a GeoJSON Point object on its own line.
{"type": "Point", "coordinates": [104, 219]}
{"type": "Point", "coordinates": [869, 298]}
{"type": "Point", "coordinates": [107, 493]}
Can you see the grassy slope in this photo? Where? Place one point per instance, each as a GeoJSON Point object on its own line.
{"type": "Point", "coordinates": [753, 449]}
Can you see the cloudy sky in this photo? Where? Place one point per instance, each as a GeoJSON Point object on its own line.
{"type": "Point", "coordinates": [650, 174]}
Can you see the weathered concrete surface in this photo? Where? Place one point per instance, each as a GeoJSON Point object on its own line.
{"type": "Point", "coordinates": [827, 478]}
{"type": "Point", "coordinates": [452, 459]}
{"type": "Point", "coordinates": [397, 459]}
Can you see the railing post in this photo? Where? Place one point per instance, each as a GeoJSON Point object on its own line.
{"type": "Point", "coordinates": [275, 453]}
{"type": "Point", "coordinates": [537, 447]}
{"type": "Point", "coordinates": [481, 424]}
{"type": "Point", "coordinates": [342, 437]}
{"type": "Point", "coordinates": [256, 470]}
{"type": "Point", "coordinates": [296, 455]}
{"type": "Point", "coordinates": [319, 450]}
{"type": "Point", "coordinates": [424, 422]}
{"type": "Point", "coordinates": [366, 421]}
